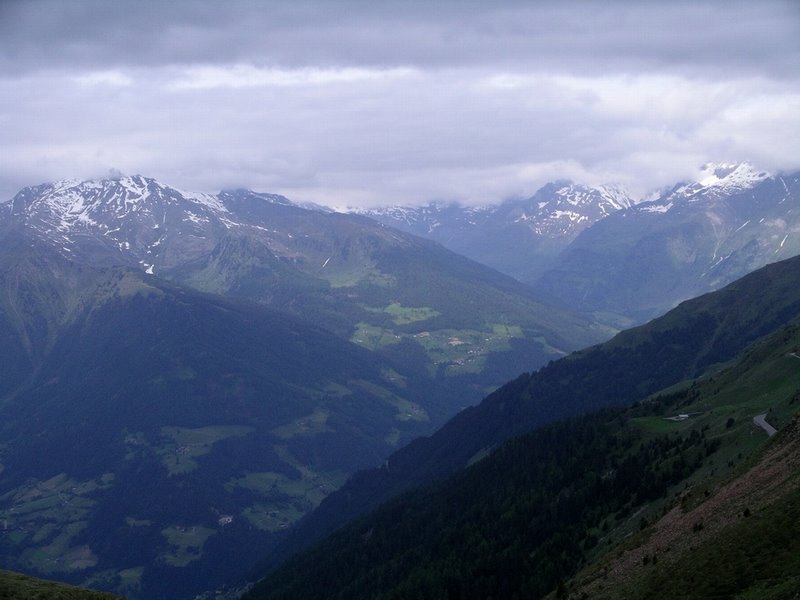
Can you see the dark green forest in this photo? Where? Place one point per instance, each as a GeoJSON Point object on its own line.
{"type": "Point", "coordinates": [510, 526]}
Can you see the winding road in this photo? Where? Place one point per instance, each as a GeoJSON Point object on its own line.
{"type": "Point", "coordinates": [760, 420]}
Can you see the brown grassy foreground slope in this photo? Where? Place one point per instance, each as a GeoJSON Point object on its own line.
{"type": "Point", "coordinates": [742, 540]}
{"type": "Point", "coordinates": [15, 586]}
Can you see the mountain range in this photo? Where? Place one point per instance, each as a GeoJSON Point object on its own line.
{"type": "Point", "coordinates": [519, 237]}
{"type": "Point", "coordinates": [620, 260]}
{"type": "Point", "coordinates": [697, 237]}
{"type": "Point", "coordinates": [185, 375]}
{"type": "Point", "coordinates": [188, 378]}
{"type": "Point", "coordinates": [368, 283]}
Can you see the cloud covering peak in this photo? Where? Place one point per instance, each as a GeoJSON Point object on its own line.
{"type": "Point", "coordinates": [371, 103]}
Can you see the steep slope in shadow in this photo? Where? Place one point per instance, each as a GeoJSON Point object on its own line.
{"type": "Point", "coordinates": [680, 345]}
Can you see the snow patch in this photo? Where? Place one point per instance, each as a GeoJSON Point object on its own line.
{"type": "Point", "coordinates": [206, 200]}
{"type": "Point", "coordinates": [658, 208]}
{"type": "Point", "coordinates": [571, 215]}
{"type": "Point", "coordinates": [195, 218]}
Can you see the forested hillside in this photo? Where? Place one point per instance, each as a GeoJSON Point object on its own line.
{"type": "Point", "coordinates": [680, 345]}
{"type": "Point", "coordinates": [521, 521]}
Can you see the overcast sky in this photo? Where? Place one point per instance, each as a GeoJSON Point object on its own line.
{"type": "Point", "coordinates": [367, 103]}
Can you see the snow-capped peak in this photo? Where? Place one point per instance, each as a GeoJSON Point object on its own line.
{"type": "Point", "coordinates": [147, 223]}
{"type": "Point", "coordinates": [70, 202]}
{"type": "Point", "coordinates": [721, 179]}
{"type": "Point", "coordinates": [557, 210]}
{"type": "Point", "coordinates": [713, 181]}
{"type": "Point", "coordinates": [616, 195]}
{"type": "Point", "coordinates": [592, 201]}
{"type": "Point", "coordinates": [133, 214]}
{"type": "Point", "coordinates": [725, 174]}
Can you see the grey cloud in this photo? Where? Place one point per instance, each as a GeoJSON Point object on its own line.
{"type": "Point", "coordinates": [579, 36]}
{"type": "Point", "coordinates": [356, 102]}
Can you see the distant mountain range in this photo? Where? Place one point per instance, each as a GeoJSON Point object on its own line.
{"type": "Point", "coordinates": [517, 237]}
{"type": "Point", "coordinates": [598, 251]}
{"type": "Point", "coordinates": [641, 261]}
{"type": "Point", "coordinates": [183, 376]}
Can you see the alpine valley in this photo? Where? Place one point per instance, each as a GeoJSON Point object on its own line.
{"type": "Point", "coordinates": [639, 468]}
{"type": "Point", "coordinates": [185, 375]}
{"type": "Point", "coordinates": [196, 387]}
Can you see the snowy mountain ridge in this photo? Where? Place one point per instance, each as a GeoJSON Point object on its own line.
{"type": "Point", "coordinates": [156, 226]}
{"type": "Point", "coordinates": [518, 236]}
{"type": "Point", "coordinates": [133, 214]}
{"type": "Point", "coordinates": [716, 180]}
{"type": "Point", "coordinates": [557, 209]}
{"type": "Point", "coordinates": [695, 238]}
{"type": "Point", "coordinates": [566, 208]}
{"type": "Point", "coordinates": [713, 182]}
{"type": "Point", "coordinates": [608, 197]}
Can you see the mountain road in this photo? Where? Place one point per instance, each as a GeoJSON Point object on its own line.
{"type": "Point", "coordinates": [760, 420]}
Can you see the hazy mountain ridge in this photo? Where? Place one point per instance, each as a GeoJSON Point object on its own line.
{"type": "Point", "coordinates": [517, 237]}
{"type": "Point", "coordinates": [555, 210]}
{"type": "Point", "coordinates": [342, 272]}
{"type": "Point", "coordinates": [624, 260]}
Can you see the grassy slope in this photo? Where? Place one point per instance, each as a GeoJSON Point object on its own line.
{"type": "Point", "coordinates": [14, 586]}
{"type": "Point", "coordinates": [733, 531]}
{"type": "Point", "coordinates": [748, 545]}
